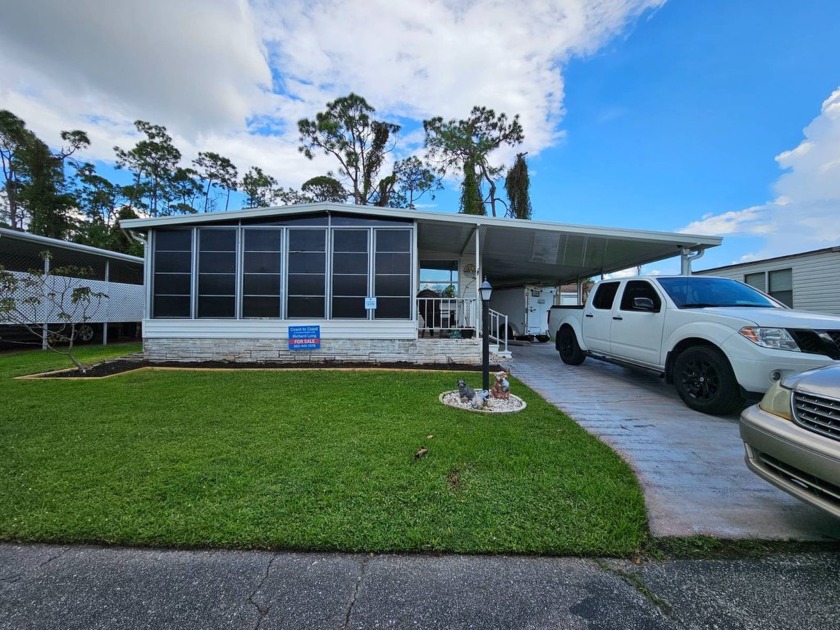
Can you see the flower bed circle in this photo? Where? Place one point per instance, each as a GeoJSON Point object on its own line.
{"type": "Point", "coordinates": [496, 405]}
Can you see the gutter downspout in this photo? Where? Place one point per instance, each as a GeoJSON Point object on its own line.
{"type": "Point", "coordinates": [686, 258]}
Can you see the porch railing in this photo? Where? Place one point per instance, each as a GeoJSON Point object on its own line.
{"type": "Point", "coordinates": [444, 316]}
{"type": "Point", "coordinates": [458, 317]}
{"type": "Point", "coordinates": [499, 329]}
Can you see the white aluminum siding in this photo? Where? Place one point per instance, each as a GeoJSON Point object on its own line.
{"type": "Point", "coordinates": [815, 279]}
{"type": "Point", "coordinates": [276, 328]}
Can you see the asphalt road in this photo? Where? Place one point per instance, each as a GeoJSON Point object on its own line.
{"type": "Point", "coordinates": [46, 587]}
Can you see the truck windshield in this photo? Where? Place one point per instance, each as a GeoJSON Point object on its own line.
{"type": "Point", "coordinates": [700, 292]}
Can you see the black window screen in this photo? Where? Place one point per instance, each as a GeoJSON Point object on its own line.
{"type": "Point", "coordinates": [261, 275]}
{"type": "Point", "coordinates": [217, 272]}
{"type": "Point", "coordinates": [392, 280]}
{"type": "Point", "coordinates": [307, 273]}
{"type": "Point", "coordinates": [172, 268]}
{"type": "Point", "coordinates": [350, 273]}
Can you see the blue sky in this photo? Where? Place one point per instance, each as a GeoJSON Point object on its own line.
{"type": "Point", "coordinates": [717, 117]}
{"type": "Point", "coordinates": [684, 116]}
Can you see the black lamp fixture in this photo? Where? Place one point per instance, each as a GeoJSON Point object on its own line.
{"type": "Point", "coordinates": [485, 290]}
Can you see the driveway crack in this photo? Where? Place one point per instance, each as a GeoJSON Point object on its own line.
{"type": "Point", "coordinates": [633, 580]}
{"type": "Point", "coordinates": [356, 591]}
{"type": "Point", "coordinates": [53, 558]}
{"type": "Point", "coordinates": [11, 579]}
{"type": "Point", "coordinates": [262, 611]}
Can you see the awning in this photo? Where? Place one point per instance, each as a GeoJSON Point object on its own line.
{"type": "Point", "coordinates": [513, 251]}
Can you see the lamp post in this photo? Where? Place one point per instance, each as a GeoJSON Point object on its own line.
{"type": "Point", "coordinates": [485, 290]}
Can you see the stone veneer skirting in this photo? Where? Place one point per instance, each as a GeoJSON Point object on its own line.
{"type": "Point", "coordinates": [464, 351]}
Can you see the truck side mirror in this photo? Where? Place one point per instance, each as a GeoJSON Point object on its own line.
{"type": "Point", "coordinates": [643, 304]}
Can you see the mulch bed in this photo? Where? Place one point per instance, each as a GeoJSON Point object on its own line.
{"type": "Point", "coordinates": [109, 368]}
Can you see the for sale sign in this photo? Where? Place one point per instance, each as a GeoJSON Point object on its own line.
{"type": "Point", "coordinates": [304, 337]}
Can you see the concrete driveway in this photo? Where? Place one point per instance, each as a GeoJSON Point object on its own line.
{"type": "Point", "coordinates": [691, 466]}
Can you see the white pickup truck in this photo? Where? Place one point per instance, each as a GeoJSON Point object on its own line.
{"type": "Point", "coordinates": [717, 340]}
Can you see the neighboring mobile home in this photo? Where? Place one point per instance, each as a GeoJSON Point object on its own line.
{"type": "Point", "coordinates": [336, 282]}
{"type": "Point", "coordinates": [806, 281]}
{"type": "Point", "coordinates": [117, 275]}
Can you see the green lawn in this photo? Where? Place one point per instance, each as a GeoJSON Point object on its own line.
{"type": "Point", "coordinates": [301, 460]}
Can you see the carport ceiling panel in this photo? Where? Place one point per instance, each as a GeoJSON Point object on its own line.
{"type": "Point", "coordinates": [447, 238]}
{"type": "Point", "coordinates": [513, 245]}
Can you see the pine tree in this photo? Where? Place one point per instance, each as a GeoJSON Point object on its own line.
{"type": "Point", "coordinates": [517, 186]}
{"type": "Point", "coordinates": [471, 200]}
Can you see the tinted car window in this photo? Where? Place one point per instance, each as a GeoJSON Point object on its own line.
{"type": "Point", "coordinates": [639, 288]}
{"type": "Point", "coordinates": [706, 291]}
{"type": "Point", "coordinates": [605, 295]}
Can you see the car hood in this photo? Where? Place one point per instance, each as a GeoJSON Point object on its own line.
{"type": "Point", "coordinates": [778, 317]}
{"type": "Point", "coordinates": [824, 381]}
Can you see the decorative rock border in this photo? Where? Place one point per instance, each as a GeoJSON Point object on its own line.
{"type": "Point", "coordinates": [497, 405]}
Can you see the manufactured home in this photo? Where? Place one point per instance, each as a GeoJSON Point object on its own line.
{"type": "Point", "coordinates": [337, 282]}
{"type": "Point", "coordinates": [806, 281]}
{"type": "Point", "coordinates": [118, 276]}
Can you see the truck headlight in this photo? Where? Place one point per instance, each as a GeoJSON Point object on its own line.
{"type": "Point", "coordinates": [777, 401]}
{"type": "Point", "coordinates": [776, 338]}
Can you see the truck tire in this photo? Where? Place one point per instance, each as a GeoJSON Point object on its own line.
{"type": "Point", "coordinates": [705, 381]}
{"type": "Point", "coordinates": [568, 347]}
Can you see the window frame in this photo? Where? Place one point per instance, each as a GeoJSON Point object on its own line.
{"type": "Point", "coordinates": [153, 294]}
{"type": "Point", "coordinates": [281, 296]}
{"type": "Point", "coordinates": [372, 229]}
{"type": "Point", "coordinates": [198, 272]}
{"type": "Point", "coordinates": [767, 289]}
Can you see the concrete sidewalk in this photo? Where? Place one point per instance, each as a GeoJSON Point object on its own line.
{"type": "Point", "coordinates": [44, 587]}
{"type": "Point", "coordinates": [690, 465]}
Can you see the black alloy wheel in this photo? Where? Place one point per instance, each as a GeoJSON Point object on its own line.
{"type": "Point", "coordinates": [568, 347]}
{"type": "Point", "coordinates": [705, 381]}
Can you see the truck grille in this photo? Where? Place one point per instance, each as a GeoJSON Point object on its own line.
{"type": "Point", "coordinates": [818, 414]}
{"type": "Point", "coordinates": [825, 342]}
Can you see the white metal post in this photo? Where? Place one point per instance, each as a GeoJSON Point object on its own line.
{"type": "Point", "coordinates": [107, 303]}
{"type": "Point", "coordinates": [479, 273]}
{"type": "Point", "coordinates": [45, 329]}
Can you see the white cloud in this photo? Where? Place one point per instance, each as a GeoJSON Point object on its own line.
{"type": "Point", "coordinates": [753, 220]}
{"type": "Point", "coordinates": [220, 73]}
{"type": "Point", "coordinates": [421, 59]}
{"type": "Point", "coordinates": [190, 63]}
{"type": "Point", "coordinates": [804, 214]}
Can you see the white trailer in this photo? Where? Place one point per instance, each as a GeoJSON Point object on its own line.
{"type": "Point", "coordinates": [526, 307]}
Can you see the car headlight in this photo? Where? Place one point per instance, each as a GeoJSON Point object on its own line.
{"type": "Point", "coordinates": [777, 401]}
{"type": "Point", "coordinates": [776, 338]}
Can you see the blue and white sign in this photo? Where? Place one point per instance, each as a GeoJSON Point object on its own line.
{"type": "Point", "coordinates": [370, 303]}
{"type": "Point", "coordinates": [304, 337]}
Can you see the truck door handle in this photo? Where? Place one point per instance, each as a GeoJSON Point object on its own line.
{"type": "Point", "coordinates": [589, 315]}
{"type": "Point", "coordinates": [618, 318]}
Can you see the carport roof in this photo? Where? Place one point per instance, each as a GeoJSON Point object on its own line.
{"type": "Point", "coordinates": [21, 251]}
{"type": "Point", "coordinates": [514, 251]}
{"type": "Point", "coordinates": [15, 242]}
